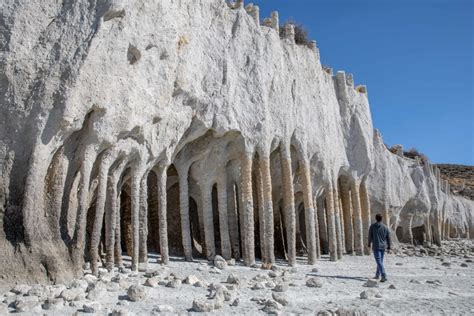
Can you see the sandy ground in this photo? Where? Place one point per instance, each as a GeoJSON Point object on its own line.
{"type": "Point", "coordinates": [423, 286]}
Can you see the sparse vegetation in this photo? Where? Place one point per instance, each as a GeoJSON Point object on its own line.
{"type": "Point", "coordinates": [301, 34]}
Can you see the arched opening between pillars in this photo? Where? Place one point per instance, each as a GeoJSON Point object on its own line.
{"type": "Point", "coordinates": [173, 217]}
{"type": "Point", "coordinates": [126, 219]}
{"type": "Point", "coordinates": [399, 233]}
{"type": "Point", "coordinates": [322, 222]}
{"type": "Point", "coordinates": [419, 234]}
{"type": "Point", "coordinates": [196, 237]}
{"type": "Point", "coordinates": [301, 249]}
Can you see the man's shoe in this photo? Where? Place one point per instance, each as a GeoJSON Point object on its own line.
{"type": "Point", "coordinates": [384, 279]}
{"type": "Point", "coordinates": [376, 277]}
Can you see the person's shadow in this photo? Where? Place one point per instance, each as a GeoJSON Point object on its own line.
{"type": "Point", "coordinates": [361, 279]}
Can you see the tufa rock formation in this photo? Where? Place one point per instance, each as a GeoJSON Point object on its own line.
{"type": "Point", "coordinates": [186, 128]}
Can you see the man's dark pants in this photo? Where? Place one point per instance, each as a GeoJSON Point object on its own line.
{"type": "Point", "coordinates": [378, 255]}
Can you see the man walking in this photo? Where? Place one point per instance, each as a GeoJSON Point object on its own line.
{"type": "Point", "coordinates": [379, 239]}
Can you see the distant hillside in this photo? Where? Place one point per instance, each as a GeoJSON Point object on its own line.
{"type": "Point", "coordinates": [460, 177]}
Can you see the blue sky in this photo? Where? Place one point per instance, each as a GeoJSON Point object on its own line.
{"type": "Point", "coordinates": [416, 58]}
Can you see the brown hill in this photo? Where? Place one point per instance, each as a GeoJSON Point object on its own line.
{"type": "Point", "coordinates": [460, 177]}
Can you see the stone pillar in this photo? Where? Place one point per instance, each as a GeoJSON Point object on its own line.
{"type": "Point", "coordinates": [135, 197]}
{"type": "Point", "coordinates": [247, 207]}
{"type": "Point", "coordinates": [110, 221]}
{"type": "Point", "coordinates": [99, 214]}
{"type": "Point", "coordinates": [268, 210]}
{"type": "Point", "coordinates": [359, 236]}
{"type": "Point", "coordinates": [316, 230]}
{"type": "Point", "coordinates": [288, 203]}
{"type": "Point", "coordinates": [309, 211]}
{"type": "Point", "coordinates": [261, 215]}
{"type": "Point", "coordinates": [437, 228]}
{"type": "Point", "coordinates": [337, 218]}
{"type": "Point", "coordinates": [223, 217]}
{"type": "Point", "coordinates": [162, 212]}
{"type": "Point", "coordinates": [341, 222]}
{"type": "Point", "coordinates": [386, 217]}
{"type": "Point", "coordinates": [143, 251]}
{"type": "Point", "coordinates": [289, 32]}
{"type": "Point", "coordinates": [323, 227]}
{"type": "Point", "coordinates": [118, 238]}
{"type": "Point", "coordinates": [347, 212]}
{"type": "Point", "coordinates": [331, 223]}
{"type": "Point", "coordinates": [184, 214]}
{"type": "Point", "coordinates": [410, 229]}
{"type": "Point", "coordinates": [208, 220]}
{"type": "Point", "coordinates": [366, 216]}
{"type": "Point", "coordinates": [83, 201]}
{"type": "Point", "coordinates": [428, 229]}
{"type": "Point", "coordinates": [275, 21]}
{"type": "Point", "coordinates": [254, 12]}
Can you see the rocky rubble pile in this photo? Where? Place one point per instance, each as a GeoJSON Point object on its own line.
{"type": "Point", "coordinates": [451, 248]}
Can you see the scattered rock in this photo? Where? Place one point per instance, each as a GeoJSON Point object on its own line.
{"type": "Point", "coordinates": [280, 298]}
{"type": "Point", "coordinates": [392, 287]}
{"type": "Point", "coordinates": [96, 291]}
{"type": "Point", "coordinates": [415, 281]}
{"type": "Point", "coordinates": [191, 279]}
{"type": "Point", "coordinates": [163, 309]}
{"type": "Point", "coordinates": [258, 286]}
{"type": "Point", "coordinates": [314, 282]}
{"type": "Point", "coordinates": [349, 312]}
{"type": "Point", "coordinates": [53, 304]}
{"type": "Point", "coordinates": [446, 264]}
{"type": "Point", "coordinates": [27, 304]}
{"type": "Point", "coordinates": [174, 284]}
{"type": "Point", "coordinates": [236, 302]}
{"type": "Point", "coordinates": [120, 312]}
{"type": "Point", "coordinates": [233, 279]}
{"type": "Point", "coordinates": [231, 262]}
{"type": "Point", "coordinates": [205, 305]}
{"type": "Point", "coordinates": [214, 270]}
{"type": "Point", "coordinates": [281, 287]}
{"type": "Point", "coordinates": [136, 293]}
{"type": "Point", "coordinates": [464, 265]}
{"type": "Point", "coordinates": [74, 294]}
{"type": "Point", "coordinates": [112, 287]}
{"type": "Point", "coordinates": [368, 294]}
{"type": "Point", "coordinates": [21, 289]}
{"type": "Point", "coordinates": [272, 307]}
{"type": "Point", "coordinates": [220, 262]}
{"type": "Point", "coordinates": [152, 282]}
{"type": "Point", "coordinates": [92, 307]}
{"type": "Point", "coordinates": [371, 283]}
{"type": "Point", "coordinates": [398, 264]}
{"type": "Point", "coordinates": [90, 279]}
{"type": "Point", "coordinates": [315, 270]}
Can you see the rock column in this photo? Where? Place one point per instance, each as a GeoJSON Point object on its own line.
{"type": "Point", "coordinates": [288, 204]}
{"type": "Point", "coordinates": [223, 218]}
{"type": "Point", "coordinates": [410, 229]}
{"type": "Point", "coordinates": [366, 216]}
{"type": "Point", "coordinates": [99, 213]}
{"type": "Point", "coordinates": [162, 212]}
{"type": "Point", "coordinates": [309, 211]}
{"type": "Point", "coordinates": [135, 197]}
{"type": "Point", "coordinates": [331, 223]}
{"type": "Point", "coordinates": [247, 208]}
{"type": "Point", "coordinates": [359, 238]}
{"type": "Point", "coordinates": [268, 210]}
{"type": "Point", "coordinates": [184, 214]}
{"type": "Point", "coordinates": [143, 251]}
{"type": "Point", "coordinates": [337, 217]}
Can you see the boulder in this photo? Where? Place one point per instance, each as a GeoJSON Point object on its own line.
{"type": "Point", "coordinates": [314, 282]}
{"type": "Point", "coordinates": [220, 262]}
{"type": "Point", "coordinates": [280, 298]}
{"type": "Point", "coordinates": [92, 307]}
{"type": "Point", "coordinates": [136, 293]}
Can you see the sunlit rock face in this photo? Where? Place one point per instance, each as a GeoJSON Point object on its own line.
{"type": "Point", "coordinates": [187, 128]}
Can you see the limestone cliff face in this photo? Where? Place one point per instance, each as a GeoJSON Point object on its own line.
{"type": "Point", "coordinates": [92, 91]}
